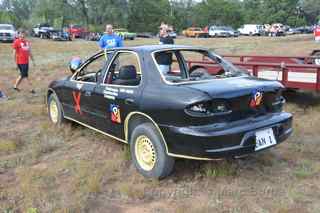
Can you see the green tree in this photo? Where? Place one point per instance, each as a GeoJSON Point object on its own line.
{"type": "Point", "coordinates": [146, 15]}
{"type": "Point", "coordinates": [218, 12]}
{"type": "Point", "coordinates": [311, 10]}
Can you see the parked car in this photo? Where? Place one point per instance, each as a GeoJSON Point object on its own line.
{"type": "Point", "coordinates": [42, 30]}
{"type": "Point", "coordinates": [221, 31]}
{"type": "Point", "coordinates": [125, 34]}
{"type": "Point", "coordinates": [251, 30]}
{"type": "Point", "coordinates": [305, 29]}
{"type": "Point", "coordinates": [292, 31]}
{"type": "Point", "coordinates": [275, 30]}
{"type": "Point", "coordinates": [172, 34]}
{"type": "Point", "coordinates": [94, 36]}
{"type": "Point", "coordinates": [77, 31]}
{"type": "Point", "coordinates": [234, 33]}
{"type": "Point", "coordinates": [196, 32]}
{"type": "Point", "coordinates": [60, 35]}
{"type": "Point", "coordinates": [197, 110]}
{"type": "Point", "coordinates": [7, 33]}
{"type": "Point", "coordinates": [145, 35]}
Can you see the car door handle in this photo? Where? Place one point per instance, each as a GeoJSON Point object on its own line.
{"type": "Point", "coordinates": [87, 93]}
{"type": "Point", "coordinates": [129, 101]}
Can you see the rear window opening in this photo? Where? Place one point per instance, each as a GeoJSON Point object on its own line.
{"type": "Point", "coordinates": [178, 66]}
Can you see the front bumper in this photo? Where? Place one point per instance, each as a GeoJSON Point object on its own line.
{"type": "Point", "coordinates": [6, 38]}
{"type": "Point", "coordinates": [224, 139]}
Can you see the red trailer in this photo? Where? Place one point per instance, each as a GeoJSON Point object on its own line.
{"type": "Point", "coordinates": [294, 72]}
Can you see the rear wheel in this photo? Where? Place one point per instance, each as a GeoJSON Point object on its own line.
{"type": "Point", "coordinates": [149, 153]}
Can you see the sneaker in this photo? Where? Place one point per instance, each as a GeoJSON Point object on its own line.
{"type": "Point", "coordinates": [16, 89]}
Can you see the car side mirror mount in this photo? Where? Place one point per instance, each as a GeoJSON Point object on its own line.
{"type": "Point", "coordinates": [75, 64]}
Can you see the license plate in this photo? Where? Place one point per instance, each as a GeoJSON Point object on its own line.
{"type": "Point", "coordinates": [264, 139]}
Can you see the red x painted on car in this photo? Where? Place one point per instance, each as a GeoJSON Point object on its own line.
{"type": "Point", "coordinates": [76, 98]}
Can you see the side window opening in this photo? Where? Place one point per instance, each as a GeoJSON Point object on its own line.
{"type": "Point", "coordinates": [93, 70]}
{"type": "Point", "coordinates": [186, 65]}
{"type": "Point", "coordinates": [124, 70]}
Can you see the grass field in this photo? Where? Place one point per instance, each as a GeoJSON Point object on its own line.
{"type": "Point", "coordinates": [73, 169]}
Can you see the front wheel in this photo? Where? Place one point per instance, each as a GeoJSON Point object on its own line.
{"type": "Point", "coordinates": [149, 153]}
{"type": "Point", "coordinates": [55, 110]}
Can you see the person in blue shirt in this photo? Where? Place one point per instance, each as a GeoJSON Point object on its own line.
{"type": "Point", "coordinates": [109, 39]}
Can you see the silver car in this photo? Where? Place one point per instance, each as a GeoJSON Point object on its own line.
{"type": "Point", "coordinates": [7, 33]}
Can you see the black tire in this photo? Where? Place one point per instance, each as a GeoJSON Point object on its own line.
{"type": "Point", "coordinates": [163, 164]}
{"type": "Point", "coordinates": [59, 119]}
{"type": "Point", "coordinates": [316, 60]}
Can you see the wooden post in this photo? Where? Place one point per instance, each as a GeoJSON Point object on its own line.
{"type": "Point", "coordinates": [318, 79]}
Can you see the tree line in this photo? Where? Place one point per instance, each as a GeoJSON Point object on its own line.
{"type": "Point", "coordinates": [146, 15]}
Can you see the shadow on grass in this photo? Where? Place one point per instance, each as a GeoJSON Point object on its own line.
{"type": "Point", "coordinates": [303, 99]}
{"type": "Point", "coordinates": [226, 168]}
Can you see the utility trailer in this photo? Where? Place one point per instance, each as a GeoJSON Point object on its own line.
{"type": "Point", "coordinates": [298, 72]}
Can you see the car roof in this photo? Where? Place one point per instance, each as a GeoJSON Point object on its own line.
{"type": "Point", "coordinates": [152, 48]}
{"type": "Point", "coordinates": [6, 25]}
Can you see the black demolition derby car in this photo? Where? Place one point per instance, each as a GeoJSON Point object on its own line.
{"type": "Point", "coordinates": [171, 102]}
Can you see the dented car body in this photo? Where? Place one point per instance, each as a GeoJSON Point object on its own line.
{"type": "Point", "coordinates": [164, 107]}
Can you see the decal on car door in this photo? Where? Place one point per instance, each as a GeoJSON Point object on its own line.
{"type": "Point", "coordinates": [76, 99]}
{"type": "Point", "coordinates": [115, 113]}
{"type": "Point", "coordinates": [110, 93]}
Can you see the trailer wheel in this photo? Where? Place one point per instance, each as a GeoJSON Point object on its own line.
{"type": "Point", "coordinates": [316, 60]}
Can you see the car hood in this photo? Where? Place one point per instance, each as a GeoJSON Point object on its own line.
{"type": "Point", "coordinates": [235, 86]}
{"type": "Point", "coordinates": [7, 31]}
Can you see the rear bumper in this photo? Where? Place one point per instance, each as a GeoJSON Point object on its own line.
{"type": "Point", "coordinates": [224, 139]}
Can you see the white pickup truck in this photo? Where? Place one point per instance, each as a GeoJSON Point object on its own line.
{"type": "Point", "coordinates": [7, 33]}
{"type": "Point", "coordinates": [251, 29]}
{"type": "Point", "coordinates": [42, 30]}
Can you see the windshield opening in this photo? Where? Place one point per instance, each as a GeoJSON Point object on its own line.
{"type": "Point", "coordinates": [178, 66]}
{"type": "Point", "coordinates": [6, 28]}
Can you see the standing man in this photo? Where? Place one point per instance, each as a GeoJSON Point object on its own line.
{"type": "Point", "coordinates": [165, 38]}
{"type": "Point", "coordinates": [164, 59]}
{"type": "Point", "coordinates": [22, 53]}
{"type": "Point", "coordinates": [109, 39]}
{"type": "Point", "coordinates": [316, 33]}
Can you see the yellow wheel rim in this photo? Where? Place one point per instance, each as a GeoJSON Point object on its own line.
{"type": "Point", "coordinates": [145, 153]}
{"type": "Point", "coordinates": [54, 112]}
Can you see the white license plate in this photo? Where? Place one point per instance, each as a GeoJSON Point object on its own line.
{"type": "Point", "coordinates": [264, 139]}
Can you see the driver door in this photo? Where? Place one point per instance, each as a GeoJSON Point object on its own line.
{"type": "Point", "coordinates": [81, 88]}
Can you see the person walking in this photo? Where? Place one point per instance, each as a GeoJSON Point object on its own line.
{"type": "Point", "coordinates": [109, 39]}
{"type": "Point", "coordinates": [22, 53]}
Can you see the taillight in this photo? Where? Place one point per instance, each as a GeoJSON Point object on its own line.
{"type": "Point", "coordinates": [206, 109]}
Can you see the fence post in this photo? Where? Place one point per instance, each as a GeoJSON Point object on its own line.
{"type": "Point", "coordinates": [284, 73]}
{"type": "Point", "coordinates": [255, 70]}
{"type": "Point", "coordinates": [318, 79]}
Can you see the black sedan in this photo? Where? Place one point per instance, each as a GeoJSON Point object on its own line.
{"type": "Point", "coordinates": [171, 102]}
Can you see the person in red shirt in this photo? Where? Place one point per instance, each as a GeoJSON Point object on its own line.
{"type": "Point", "coordinates": [316, 33]}
{"type": "Point", "coordinates": [22, 53]}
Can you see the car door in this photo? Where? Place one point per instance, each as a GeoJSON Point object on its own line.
{"type": "Point", "coordinates": [80, 88]}
{"type": "Point", "coordinates": [118, 95]}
